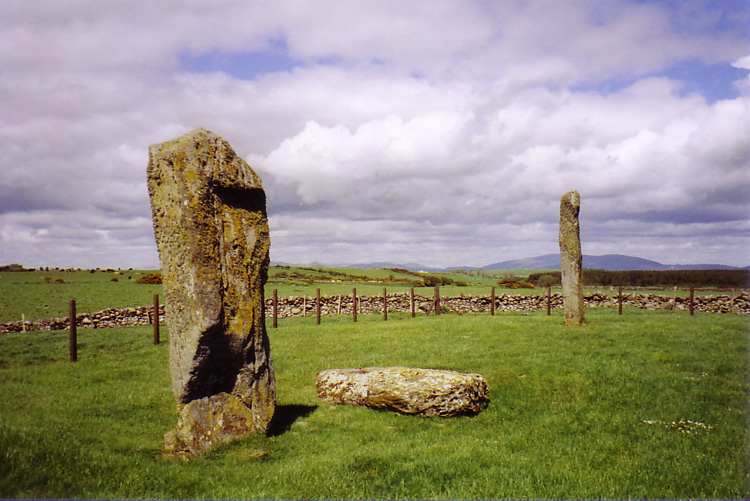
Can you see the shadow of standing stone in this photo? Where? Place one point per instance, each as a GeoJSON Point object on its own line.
{"type": "Point", "coordinates": [286, 415]}
{"type": "Point", "coordinates": [211, 228]}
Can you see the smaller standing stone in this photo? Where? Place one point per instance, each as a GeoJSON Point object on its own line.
{"type": "Point", "coordinates": [424, 392]}
{"type": "Point", "coordinates": [571, 259]}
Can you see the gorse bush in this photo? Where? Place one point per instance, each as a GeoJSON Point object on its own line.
{"type": "Point", "coordinates": [432, 281]}
{"type": "Point", "coordinates": [515, 283]}
{"type": "Point", "coordinates": [151, 278]}
{"type": "Point", "coordinates": [545, 279]}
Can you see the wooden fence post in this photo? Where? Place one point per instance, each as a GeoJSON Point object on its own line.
{"type": "Point", "coordinates": [156, 319]}
{"type": "Point", "coordinates": [492, 300]}
{"type": "Point", "coordinates": [385, 304]}
{"type": "Point", "coordinates": [411, 300]}
{"type": "Point", "coordinates": [549, 300]}
{"type": "Point", "coordinates": [437, 300]}
{"type": "Point", "coordinates": [275, 308]}
{"type": "Point", "coordinates": [430, 308]}
{"type": "Point", "coordinates": [619, 300]}
{"type": "Point", "coordinates": [691, 300]}
{"type": "Point", "coordinates": [317, 306]}
{"type": "Point", "coordinates": [354, 304]}
{"type": "Point", "coordinates": [73, 332]}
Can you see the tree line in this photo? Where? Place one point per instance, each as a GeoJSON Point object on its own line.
{"type": "Point", "coordinates": [652, 278]}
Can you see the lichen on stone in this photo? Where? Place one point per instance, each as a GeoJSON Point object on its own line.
{"type": "Point", "coordinates": [211, 228]}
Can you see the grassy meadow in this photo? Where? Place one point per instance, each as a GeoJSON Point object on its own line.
{"type": "Point", "coordinates": [647, 405]}
{"type": "Point", "coordinates": [44, 294]}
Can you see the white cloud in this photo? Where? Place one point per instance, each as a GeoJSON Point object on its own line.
{"type": "Point", "coordinates": [436, 131]}
{"type": "Point", "coordinates": [386, 150]}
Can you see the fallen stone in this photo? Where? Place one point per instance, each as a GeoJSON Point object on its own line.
{"type": "Point", "coordinates": [423, 392]}
{"type": "Point", "coordinates": [211, 228]}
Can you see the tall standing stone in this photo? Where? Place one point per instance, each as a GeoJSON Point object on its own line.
{"type": "Point", "coordinates": [209, 214]}
{"type": "Point", "coordinates": [571, 258]}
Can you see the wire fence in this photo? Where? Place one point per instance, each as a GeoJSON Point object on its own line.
{"type": "Point", "coordinates": [354, 304]}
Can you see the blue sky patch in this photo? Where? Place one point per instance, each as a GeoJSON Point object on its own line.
{"type": "Point", "coordinates": [244, 66]}
{"type": "Point", "coordinates": [715, 82]}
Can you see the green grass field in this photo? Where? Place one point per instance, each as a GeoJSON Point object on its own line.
{"type": "Point", "coordinates": [31, 296]}
{"type": "Point", "coordinates": [647, 405]}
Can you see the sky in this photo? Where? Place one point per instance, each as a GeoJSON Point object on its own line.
{"type": "Point", "coordinates": [439, 132]}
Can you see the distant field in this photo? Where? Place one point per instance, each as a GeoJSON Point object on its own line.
{"type": "Point", "coordinates": [651, 405]}
{"type": "Point", "coordinates": [44, 294]}
{"type": "Point", "coordinates": [29, 294]}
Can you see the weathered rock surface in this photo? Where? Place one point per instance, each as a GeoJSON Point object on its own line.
{"type": "Point", "coordinates": [211, 228]}
{"type": "Point", "coordinates": [424, 392]}
{"type": "Point", "coordinates": [207, 422]}
{"type": "Point", "coordinates": [571, 259]}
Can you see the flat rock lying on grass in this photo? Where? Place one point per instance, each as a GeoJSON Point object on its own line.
{"type": "Point", "coordinates": [424, 392]}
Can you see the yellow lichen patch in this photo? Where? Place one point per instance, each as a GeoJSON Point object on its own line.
{"type": "Point", "coordinates": [205, 423]}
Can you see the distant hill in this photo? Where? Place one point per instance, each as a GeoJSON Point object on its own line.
{"type": "Point", "coordinates": [364, 266]}
{"type": "Point", "coordinates": [545, 262]}
{"type": "Point", "coordinates": [610, 262]}
{"type": "Point", "coordinates": [387, 264]}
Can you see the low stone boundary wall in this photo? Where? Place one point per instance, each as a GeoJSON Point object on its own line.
{"type": "Point", "coordinates": [400, 302]}
{"type": "Point", "coordinates": [104, 319]}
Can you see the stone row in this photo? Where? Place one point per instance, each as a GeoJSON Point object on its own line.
{"type": "Point", "coordinates": [400, 302]}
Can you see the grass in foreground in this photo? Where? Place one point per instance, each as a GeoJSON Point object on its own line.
{"type": "Point", "coordinates": [574, 413]}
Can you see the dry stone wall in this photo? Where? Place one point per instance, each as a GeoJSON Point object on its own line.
{"type": "Point", "coordinates": [105, 319]}
{"type": "Point", "coordinates": [399, 302]}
